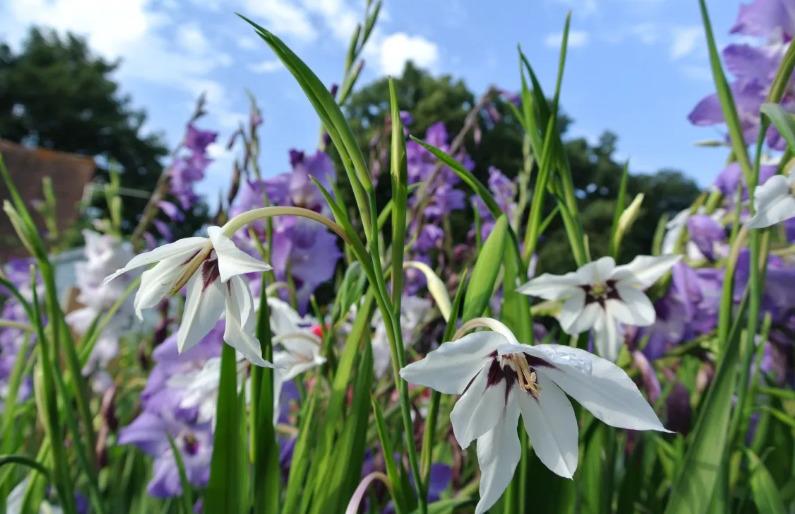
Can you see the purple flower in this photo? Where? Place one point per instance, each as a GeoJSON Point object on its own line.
{"type": "Point", "coordinates": [688, 309]}
{"type": "Point", "coordinates": [766, 18]}
{"type": "Point", "coordinates": [186, 171]}
{"type": "Point", "coordinates": [150, 431]}
{"type": "Point", "coordinates": [308, 252]}
{"type": "Point", "coordinates": [707, 234]}
{"type": "Point", "coordinates": [731, 178]}
{"type": "Point", "coordinates": [754, 68]}
{"type": "Point", "coordinates": [302, 249]}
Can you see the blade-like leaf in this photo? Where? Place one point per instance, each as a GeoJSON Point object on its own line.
{"type": "Point", "coordinates": [783, 120]}
{"type": "Point", "coordinates": [765, 492]}
{"type": "Point", "coordinates": [692, 489]}
{"type": "Point", "coordinates": [484, 274]}
{"type": "Point", "coordinates": [225, 488]}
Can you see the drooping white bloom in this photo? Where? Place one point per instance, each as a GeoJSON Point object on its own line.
{"type": "Point", "coordinates": [500, 379]}
{"type": "Point", "coordinates": [601, 295]}
{"type": "Point", "coordinates": [414, 311]}
{"type": "Point", "coordinates": [211, 268]}
{"type": "Point", "coordinates": [774, 201]}
{"type": "Point", "coordinates": [102, 255]}
{"type": "Point", "coordinates": [296, 341]}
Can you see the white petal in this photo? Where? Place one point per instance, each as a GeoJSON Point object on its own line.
{"type": "Point", "coordinates": [239, 331]}
{"type": "Point", "coordinates": [478, 410]}
{"type": "Point", "coordinates": [231, 260]}
{"type": "Point", "coordinates": [203, 307]}
{"type": "Point", "coordinates": [644, 270]}
{"type": "Point", "coordinates": [178, 249]}
{"type": "Point", "coordinates": [597, 271]}
{"type": "Point", "coordinates": [599, 385]}
{"type": "Point", "coordinates": [575, 316]}
{"type": "Point", "coordinates": [284, 319]}
{"type": "Point", "coordinates": [774, 212]}
{"type": "Point", "coordinates": [551, 287]}
{"type": "Point", "coordinates": [498, 454]}
{"type": "Point", "coordinates": [451, 367]}
{"type": "Point", "coordinates": [156, 283]}
{"type": "Point", "coordinates": [607, 337]}
{"type": "Point", "coordinates": [774, 188]}
{"type": "Point", "coordinates": [552, 426]}
{"type": "Point", "coordinates": [634, 308]}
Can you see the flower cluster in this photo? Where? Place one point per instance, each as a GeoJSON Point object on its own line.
{"type": "Point", "coordinates": [772, 24]}
{"type": "Point", "coordinates": [302, 253]}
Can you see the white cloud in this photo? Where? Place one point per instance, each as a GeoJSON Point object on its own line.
{"type": "Point", "coordinates": [685, 40]}
{"type": "Point", "coordinates": [577, 39]}
{"type": "Point", "coordinates": [393, 51]}
{"type": "Point", "coordinates": [646, 33]}
{"type": "Point", "coordinates": [283, 16]}
{"type": "Point", "coordinates": [191, 38]}
{"type": "Point", "coordinates": [266, 66]}
{"type": "Point", "coordinates": [110, 27]}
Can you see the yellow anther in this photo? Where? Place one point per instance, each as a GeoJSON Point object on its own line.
{"type": "Point", "coordinates": [527, 376]}
{"type": "Point", "coordinates": [190, 268]}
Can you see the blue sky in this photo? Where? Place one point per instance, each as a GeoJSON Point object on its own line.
{"type": "Point", "coordinates": [635, 67]}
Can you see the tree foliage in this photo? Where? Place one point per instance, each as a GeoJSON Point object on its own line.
{"type": "Point", "coordinates": [55, 93]}
{"type": "Point", "coordinates": [497, 141]}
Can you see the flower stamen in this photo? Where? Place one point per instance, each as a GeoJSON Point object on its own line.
{"type": "Point", "coordinates": [526, 375]}
{"type": "Point", "coordinates": [190, 268]}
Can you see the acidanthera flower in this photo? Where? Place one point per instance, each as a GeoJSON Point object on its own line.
{"type": "Point", "coordinates": [296, 341]}
{"type": "Point", "coordinates": [211, 268]}
{"type": "Point", "coordinates": [600, 295]}
{"type": "Point", "coordinates": [500, 379]}
{"type": "Point", "coordinates": [775, 201]}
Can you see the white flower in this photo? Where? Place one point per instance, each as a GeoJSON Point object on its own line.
{"type": "Point", "coordinates": [600, 295]}
{"type": "Point", "coordinates": [297, 345]}
{"type": "Point", "coordinates": [499, 380]}
{"type": "Point", "coordinates": [413, 313]}
{"type": "Point", "coordinates": [211, 268]}
{"type": "Point", "coordinates": [775, 201]}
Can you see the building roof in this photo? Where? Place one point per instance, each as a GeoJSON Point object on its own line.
{"type": "Point", "coordinates": [69, 173]}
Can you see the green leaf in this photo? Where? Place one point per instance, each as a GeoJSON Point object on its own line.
{"type": "Point", "coordinates": [484, 273]}
{"type": "Point", "coordinates": [765, 492]}
{"type": "Point", "coordinates": [225, 488]}
{"type": "Point", "coordinates": [266, 473]}
{"type": "Point", "coordinates": [693, 487]}
{"type": "Point", "coordinates": [783, 120]}
{"type": "Point", "coordinates": [333, 121]}
{"type": "Point", "coordinates": [398, 493]}
{"type": "Point", "coordinates": [399, 178]}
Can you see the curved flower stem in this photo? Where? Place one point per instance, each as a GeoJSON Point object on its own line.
{"type": "Point", "coordinates": [358, 494]}
{"type": "Point", "coordinates": [243, 219]}
{"type": "Point", "coordinates": [491, 324]}
{"type": "Point", "coordinates": [15, 324]}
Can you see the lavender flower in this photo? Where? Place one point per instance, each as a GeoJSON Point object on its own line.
{"type": "Point", "coordinates": [303, 251]}
{"type": "Point", "coordinates": [164, 415]}
{"type": "Point", "coordinates": [754, 67]}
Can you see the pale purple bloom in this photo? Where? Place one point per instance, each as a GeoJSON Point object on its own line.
{"type": "Point", "coordinates": [302, 248]}
{"type": "Point", "coordinates": [766, 19]}
{"type": "Point", "coordinates": [753, 68]}
{"type": "Point", "coordinates": [308, 251]}
{"type": "Point", "coordinates": [732, 178]}
{"type": "Point", "coordinates": [150, 431]}
{"type": "Point", "coordinates": [688, 309]}
{"type": "Point", "coordinates": [708, 235]}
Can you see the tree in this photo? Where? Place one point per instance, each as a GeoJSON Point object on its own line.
{"type": "Point", "coordinates": [56, 94]}
{"type": "Point", "coordinates": [595, 172]}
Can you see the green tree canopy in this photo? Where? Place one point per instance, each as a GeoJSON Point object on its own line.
{"type": "Point", "coordinates": [54, 93]}
{"type": "Point", "coordinates": [595, 171]}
